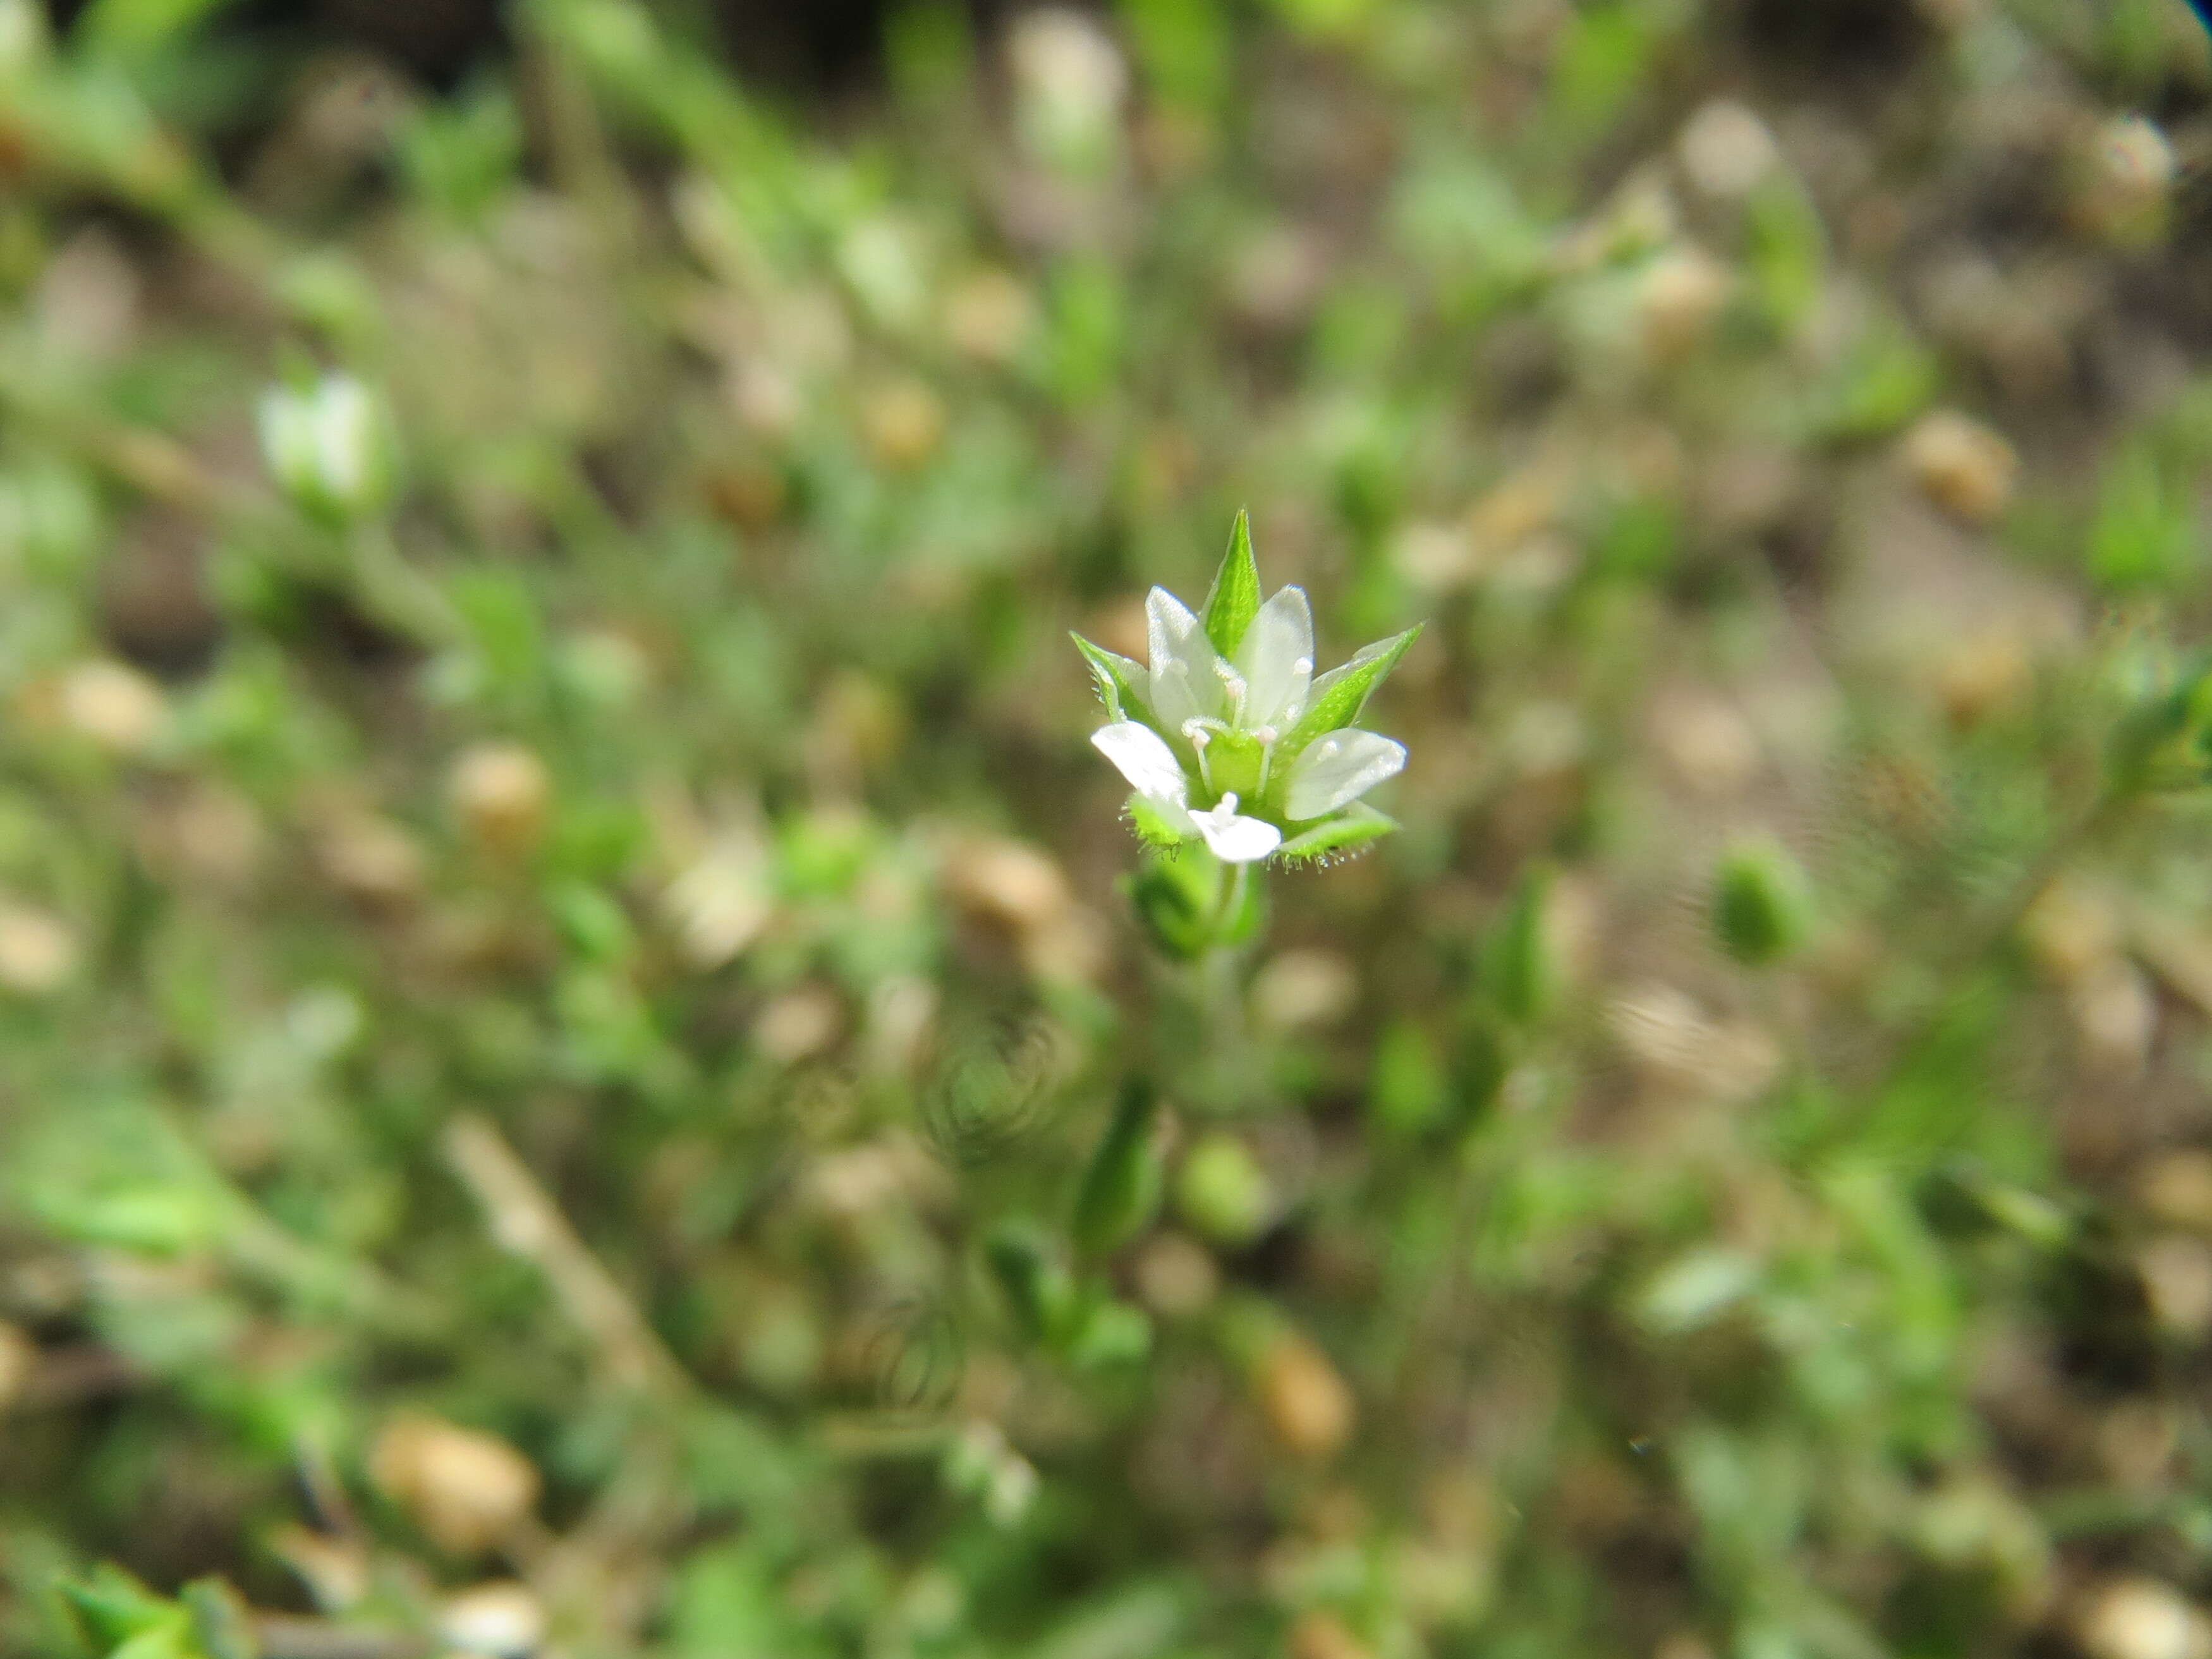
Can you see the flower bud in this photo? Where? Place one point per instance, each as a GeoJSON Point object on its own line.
{"type": "Point", "coordinates": [1120, 1191]}
{"type": "Point", "coordinates": [1222, 1191]}
{"type": "Point", "coordinates": [500, 791]}
{"type": "Point", "coordinates": [330, 449]}
{"type": "Point", "coordinates": [1762, 903]}
{"type": "Point", "coordinates": [467, 1490]}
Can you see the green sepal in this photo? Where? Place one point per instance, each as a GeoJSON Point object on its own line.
{"type": "Point", "coordinates": [1151, 828]}
{"type": "Point", "coordinates": [1233, 599]}
{"type": "Point", "coordinates": [1118, 679]}
{"type": "Point", "coordinates": [1120, 1190]}
{"type": "Point", "coordinates": [1337, 836]}
{"type": "Point", "coordinates": [1340, 694]}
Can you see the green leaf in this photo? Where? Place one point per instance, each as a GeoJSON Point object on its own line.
{"type": "Point", "coordinates": [1233, 599]}
{"type": "Point", "coordinates": [1337, 837]}
{"type": "Point", "coordinates": [1763, 906]}
{"type": "Point", "coordinates": [1120, 1190]}
{"type": "Point", "coordinates": [1118, 679]}
{"type": "Point", "coordinates": [113, 1607]}
{"type": "Point", "coordinates": [1340, 694]}
{"type": "Point", "coordinates": [1112, 1334]}
{"type": "Point", "coordinates": [171, 1641]}
{"type": "Point", "coordinates": [1520, 968]}
{"type": "Point", "coordinates": [1036, 1286]}
{"type": "Point", "coordinates": [1222, 1191]}
{"type": "Point", "coordinates": [1171, 904]}
{"type": "Point", "coordinates": [136, 27]}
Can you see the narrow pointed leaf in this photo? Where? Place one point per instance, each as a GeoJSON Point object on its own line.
{"type": "Point", "coordinates": [1340, 694]}
{"type": "Point", "coordinates": [1120, 1191]}
{"type": "Point", "coordinates": [1519, 967]}
{"type": "Point", "coordinates": [1338, 837]}
{"type": "Point", "coordinates": [1118, 681]}
{"type": "Point", "coordinates": [1036, 1286]}
{"type": "Point", "coordinates": [1235, 598]}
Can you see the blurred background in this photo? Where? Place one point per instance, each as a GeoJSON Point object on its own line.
{"type": "Point", "coordinates": [566, 964]}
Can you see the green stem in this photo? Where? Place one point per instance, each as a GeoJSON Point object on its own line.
{"type": "Point", "coordinates": [1234, 883]}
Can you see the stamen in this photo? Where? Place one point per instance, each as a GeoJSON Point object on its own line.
{"type": "Point", "coordinates": [1234, 682]}
{"type": "Point", "coordinates": [1198, 730]}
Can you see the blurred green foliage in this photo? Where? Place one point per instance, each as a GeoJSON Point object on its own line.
{"type": "Point", "coordinates": [590, 1069]}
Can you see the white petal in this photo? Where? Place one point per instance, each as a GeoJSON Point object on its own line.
{"type": "Point", "coordinates": [1339, 768]}
{"type": "Point", "coordinates": [1237, 839]}
{"type": "Point", "coordinates": [1142, 756]}
{"type": "Point", "coordinates": [1276, 660]}
{"type": "Point", "coordinates": [1184, 684]}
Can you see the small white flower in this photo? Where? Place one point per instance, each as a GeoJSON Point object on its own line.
{"type": "Point", "coordinates": [1233, 838]}
{"type": "Point", "coordinates": [1339, 768]}
{"type": "Point", "coordinates": [329, 448]}
{"type": "Point", "coordinates": [1228, 710]}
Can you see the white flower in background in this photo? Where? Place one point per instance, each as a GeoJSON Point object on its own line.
{"type": "Point", "coordinates": [22, 36]}
{"type": "Point", "coordinates": [1070, 82]}
{"type": "Point", "coordinates": [1227, 735]}
{"type": "Point", "coordinates": [328, 448]}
